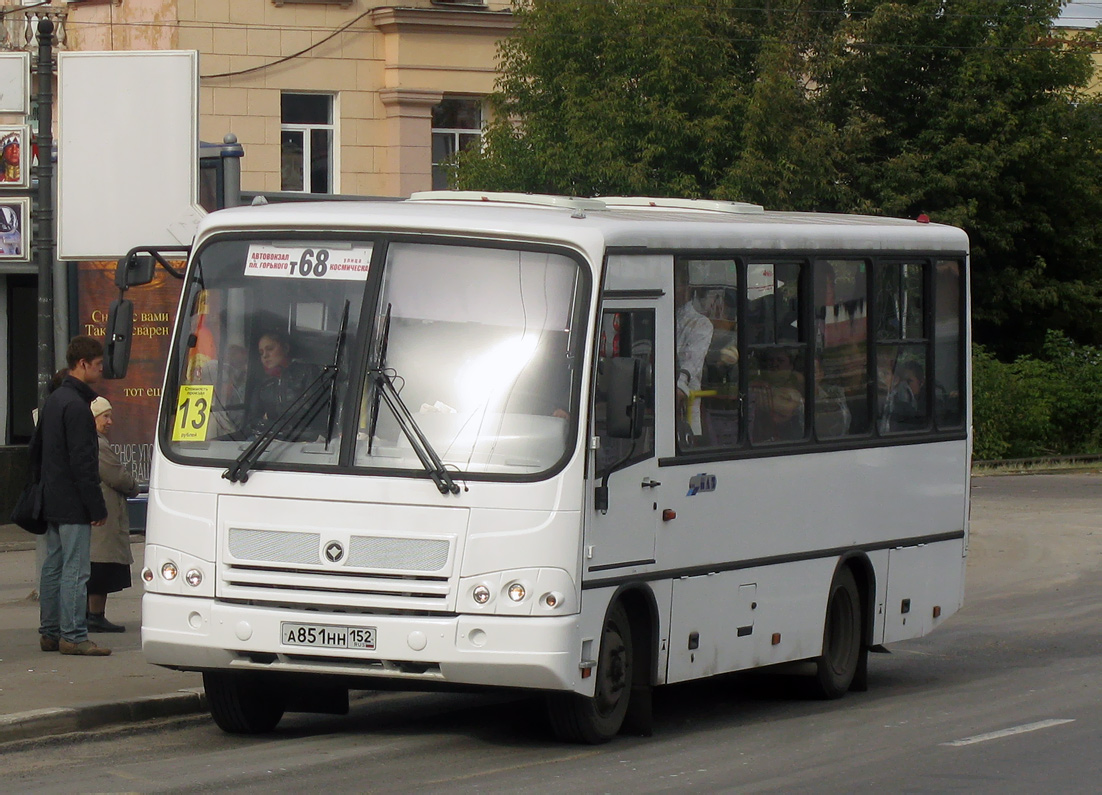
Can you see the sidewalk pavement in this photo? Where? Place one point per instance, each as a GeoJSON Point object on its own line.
{"type": "Point", "coordinates": [43, 693]}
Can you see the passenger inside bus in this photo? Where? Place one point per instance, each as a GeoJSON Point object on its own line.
{"type": "Point", "coordinates": [693, 336]}
{"type": "Point", "coordinates": [832, 414]}
{"type": "Point", "coordinates": [776, 398]}
{"type": "Point", "coordinates": [905, 406]}
{"type": "Point", "coordinates": [284, 380]}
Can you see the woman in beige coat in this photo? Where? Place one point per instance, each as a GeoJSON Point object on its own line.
{"type": "Point", "coordinates": [111, 558]}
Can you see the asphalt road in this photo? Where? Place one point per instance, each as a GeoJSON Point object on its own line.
{"type": "Point", "coordinates": [1006, 697]}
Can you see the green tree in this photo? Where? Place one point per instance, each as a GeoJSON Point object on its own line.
{"type": "Point", "coordinates": [969, 110]}
{"type": "Point", "coordinates": [652, 97]}
{"type": "Point", "coordinates": [972, 111]}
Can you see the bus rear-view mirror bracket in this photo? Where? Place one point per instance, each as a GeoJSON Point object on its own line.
{"type": "Point", "coordinates": [137, 268]}
{"type": "Point", "coordinates": [120, 333]}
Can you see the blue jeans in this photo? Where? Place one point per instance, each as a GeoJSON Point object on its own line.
{"type": "Point", "coordinates": [63, 589]}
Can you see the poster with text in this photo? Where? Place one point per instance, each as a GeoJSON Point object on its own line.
{"type": "Point", "coordinates": [135, 399]}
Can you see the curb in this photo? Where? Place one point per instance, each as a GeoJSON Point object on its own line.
{"type": "Point", "coordinates": [64, 720]}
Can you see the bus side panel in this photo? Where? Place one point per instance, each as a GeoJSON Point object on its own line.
{"type": "Point", "coordinates": [727, 621]}
{"type": "Point", "coordinates": [879, 561]}
{"type": "Point", "coordinates": [925, 586]}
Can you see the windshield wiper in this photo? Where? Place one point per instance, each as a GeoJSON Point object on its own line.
{"type": "Point", "coordinates": [299, 409]}
{"type": "Point", "coordinates": [333, 383]}
{"type": "Point", "coordinates": [385, 389]}
{"type": "Point", "coordinates": [380, 360]}
{"type": "Point", "coordinates": [384, 385]}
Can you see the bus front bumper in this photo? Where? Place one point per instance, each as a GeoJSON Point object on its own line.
{"type": "Point", "coordinates": [505, 651]}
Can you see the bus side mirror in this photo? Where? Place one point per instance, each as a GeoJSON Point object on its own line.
{"type": "Point", "coordinates": [624, 387]}
{"type": "Point", "coordinates": [120, 332]}
{"type": "Point", "coordinates": [134, 271]}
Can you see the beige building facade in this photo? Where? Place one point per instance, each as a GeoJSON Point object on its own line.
{"type": "Point", "coordinates": [326, 96]}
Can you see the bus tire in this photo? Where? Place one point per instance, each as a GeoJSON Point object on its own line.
{"type": "Point", "coordinates": [835, 669]}
{"type": "Point", "coordinates": [242, 703]}
{"type": "Point", "coordinates": [580, 719]}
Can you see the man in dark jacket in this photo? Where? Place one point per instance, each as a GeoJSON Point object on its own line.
{"type": "Point", "coordinates": [74, 502]}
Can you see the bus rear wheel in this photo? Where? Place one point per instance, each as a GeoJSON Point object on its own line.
{"type": "Point", "coordinates": [242, 703]}
{"type": "Point", "coordinates": [835, 669]}
{"type": "Point", "coordinates": [580, 719]}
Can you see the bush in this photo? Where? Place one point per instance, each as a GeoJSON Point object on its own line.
{"type": "Point", "coordinates": [1038, 407]}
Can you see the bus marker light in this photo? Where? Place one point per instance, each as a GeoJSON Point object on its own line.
{"type": "Point", "coordinates": [517, 592]}
{"type": "Point", "coordinates": [669, 514]}
{"type": "Point", "coordinates": [169, 570]}
{"type": "Point", "coordinates": [481, 594]}
{"type": "Point", "coordinates": [147, 574]}
{"type": "Point", "coordinates": [776, 638]}
{"type": "Point", "coordinates": [937, 611]}
{"type": "Point", "coordinates": [551, 600]}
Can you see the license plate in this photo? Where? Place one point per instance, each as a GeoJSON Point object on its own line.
{"type": "Point", "coordinates": [327, 636]}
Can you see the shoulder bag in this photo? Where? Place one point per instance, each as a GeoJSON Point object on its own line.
{"type": "Point", "coordinates": [30, 507]}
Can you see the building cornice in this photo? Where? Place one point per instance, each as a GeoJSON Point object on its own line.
{"type": "Point", "coordinates": [440, 20]}
{"type": "Point", "coordinates": [409, 97]}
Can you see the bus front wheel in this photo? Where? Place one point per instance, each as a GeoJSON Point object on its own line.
{"type": "Point", "coordinates": [835, 669]}
{"type": "Point", "coordinates": [595, 720]}
{"type": "Point", "coordinates": [242, 703]}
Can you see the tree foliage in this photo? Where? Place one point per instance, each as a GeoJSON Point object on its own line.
{"type": "Point", "coordinates": [1038, 406]}
{"type": "Point", "coordinates": [969, 110]}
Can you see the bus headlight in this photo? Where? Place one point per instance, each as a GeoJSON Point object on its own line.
{"type": "Point", "coordinates": [519, 592]}
{"type": "Point", "coordinates": [169, 570]}
{"type": "Point", "coordinates": [193, 577]}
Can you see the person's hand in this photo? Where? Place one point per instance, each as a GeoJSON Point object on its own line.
{"type": "Point", "coordinates": [100, 523]}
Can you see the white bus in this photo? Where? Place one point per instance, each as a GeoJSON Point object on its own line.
{"type": "Point", "coordinates": [577, 446]}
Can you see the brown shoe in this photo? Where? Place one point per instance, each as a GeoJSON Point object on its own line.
{"type": "Point", "coordinates": [46, 643]}
{"type": "Point", "coordinates": [85, 648]}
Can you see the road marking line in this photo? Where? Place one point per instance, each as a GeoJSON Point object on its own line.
{"type": "Point", "coordinates": [1025, 727]}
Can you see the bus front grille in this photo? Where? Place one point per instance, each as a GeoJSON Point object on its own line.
{"type": "Point", "coordinates": [337, 571]}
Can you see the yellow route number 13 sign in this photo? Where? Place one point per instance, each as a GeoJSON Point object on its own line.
{"type": "Point", "coordinates": [193, 404]}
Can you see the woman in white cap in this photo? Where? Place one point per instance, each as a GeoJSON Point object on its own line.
{"type": "Point", "coordinates": [111, 558]}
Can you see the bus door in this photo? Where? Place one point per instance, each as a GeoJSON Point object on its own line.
{"type": "Point", "coordinates": [624, 535]}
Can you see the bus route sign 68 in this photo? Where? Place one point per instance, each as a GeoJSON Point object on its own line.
{"type": "Point", "coordinates": [308, 263]}
{"type": "Point", "coordinates": [327, 636]}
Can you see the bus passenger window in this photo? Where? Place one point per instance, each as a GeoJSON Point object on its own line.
{"type": "Point", "coordinates": [707, 386]}
{"type": "Point", "coordinates": [948, 339]}
{"type": "Point", "coordinates": [841, 343]}
{"type": "Point", "coordinates": [901, 347]}
{"type": "Point", "coordinates": [778, 389]}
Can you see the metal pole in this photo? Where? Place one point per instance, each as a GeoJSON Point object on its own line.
{"type": "Point", "coordinates": [44, 237]}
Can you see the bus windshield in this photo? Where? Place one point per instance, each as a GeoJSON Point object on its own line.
{"type": "Point", "coordinates": [479, 344]}
{"type": "Point", "coordinates": [276, 361]}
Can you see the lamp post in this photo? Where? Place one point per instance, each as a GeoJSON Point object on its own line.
{"type": "Point", "coordinates": [44, 216]}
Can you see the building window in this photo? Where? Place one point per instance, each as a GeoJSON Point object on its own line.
{"type": "Point", "coordinates": [456, 127]}
{"type": "Point", "coordinates": [307, 143]}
